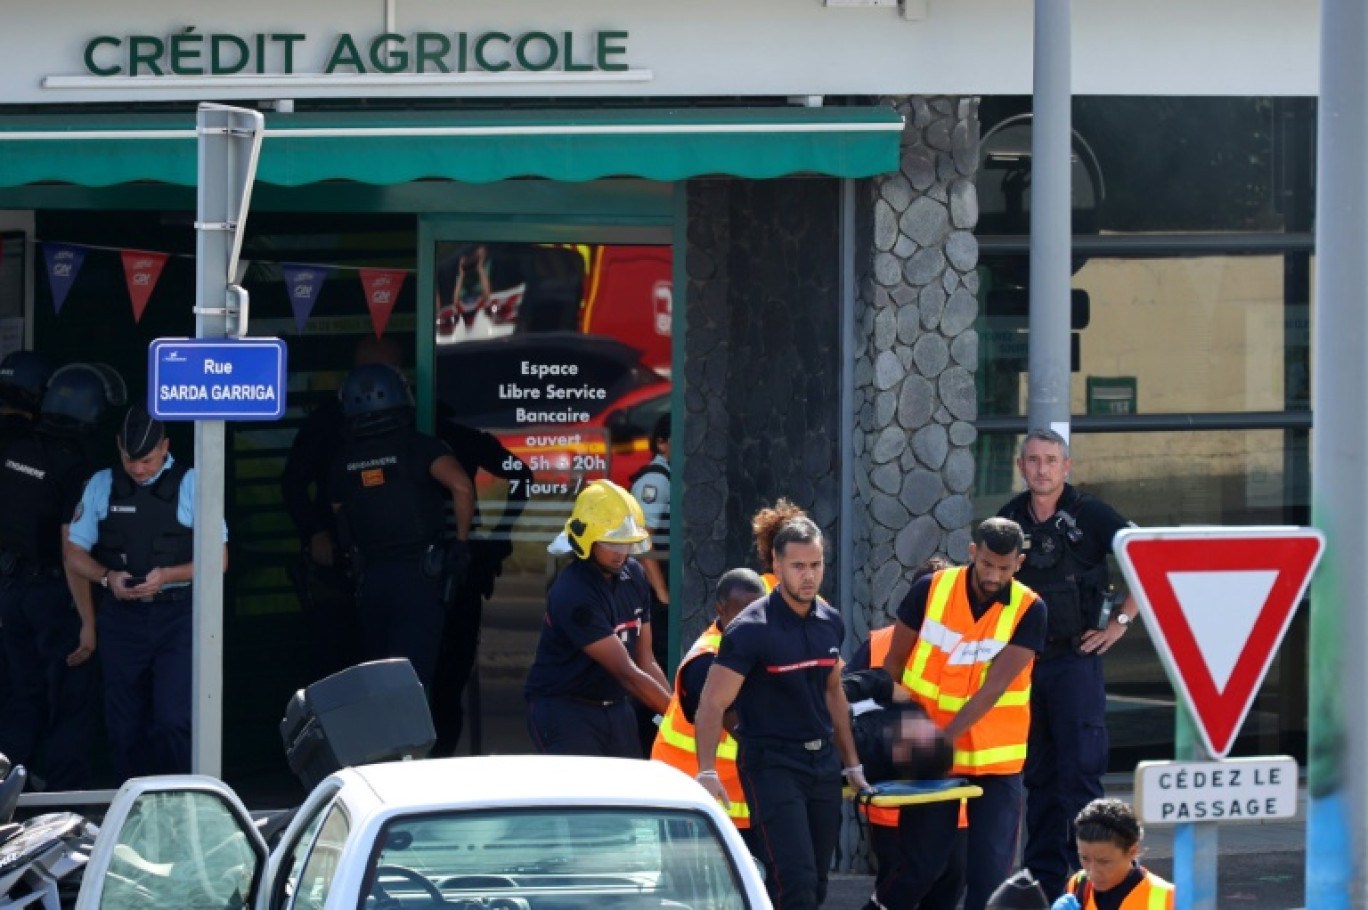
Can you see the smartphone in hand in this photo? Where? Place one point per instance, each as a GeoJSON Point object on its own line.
{"type": "Point", "coordinates": [133, 581]}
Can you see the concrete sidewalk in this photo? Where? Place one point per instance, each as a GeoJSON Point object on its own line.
{"type": "Point", "coordinates": [1262, 863]}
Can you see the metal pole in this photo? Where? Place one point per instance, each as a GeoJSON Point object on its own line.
{"type": "Point", "coordinates": [1337, 818]}
{"type": "Point", "coordinates": [1195, 846]}
{"type": "Point", "coordinates": [1048, 394]}
{"type": "Point", "coordinates": [845, 545]}
{"type": "Point", "coordinates": [226, 167]}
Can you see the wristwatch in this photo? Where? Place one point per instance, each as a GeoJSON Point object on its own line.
{"type": "Point", "coordinates": [104, 579]}
{"type": "Point", "coordinates": [1123, 619]}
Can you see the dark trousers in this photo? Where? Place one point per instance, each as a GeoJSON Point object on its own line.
{"type": "Point", "coordinates": [145, 652]}
{"type": "Point", "coordinates": [994, 821]}
{"type": "Point", "coordinates": [572, 726]}
{"type": "Point", "coordinates": [1065, 760]}
{"type": "Point", "coordinates": [402, 615]}
{"type": "Point", "coordinates": [920, 861]}
{"type": "Point", "coordinates": [460, 646]}
{"type": "Point", "coordinates": [50, 704]}
{"type": "Point", "coordinates": [795, 803]}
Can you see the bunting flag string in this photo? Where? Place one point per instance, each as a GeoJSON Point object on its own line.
{"type": "Point", "coordinates": [303, 281]}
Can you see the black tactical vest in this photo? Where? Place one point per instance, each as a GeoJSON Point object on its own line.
{"type": "Point", "coordinates": [1072, 591]}
{"type": "Point", "coordinates": [31, 520]}
{"type": "Point", "coordinates": [391, 504]}
{"type": "Point", "coordinates": [141, 531]}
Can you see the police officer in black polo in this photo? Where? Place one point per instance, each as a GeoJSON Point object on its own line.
{"type": "Point", "coordinates": [133, 535]}
{"type": "Point", "coordinates": [1068, 538]}
{"type": "Point", "coordinates": [49, 637]}
{"type": "Point", "coordinates": [779, 665]}
{"type": "Point", "coordinates": [390, 489]}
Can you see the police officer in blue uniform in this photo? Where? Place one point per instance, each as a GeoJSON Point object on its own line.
{"type": "Point", "coordinates": [595, 645]}
{"type": "Point", "coordinates": [132, 534]}
{"type": "Point", "coordinates": [390, 489]}
{"type": "Point", "coordinates": [49, 636]}
{"type": "Point", "coordinates": [1068, 538]}
{"type": "Point", "coordinates": [779, 666]}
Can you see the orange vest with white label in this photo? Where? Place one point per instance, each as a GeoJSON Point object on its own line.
{"type": "Point", "coordinates": [950, 662]}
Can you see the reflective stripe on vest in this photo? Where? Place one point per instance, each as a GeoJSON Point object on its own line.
{"type": "Point", "coordinates": [675, 744]}
{"type": "Point", "coordinates": [950, 663]}
{"type": "Point", "coordinates": [1152, 893]}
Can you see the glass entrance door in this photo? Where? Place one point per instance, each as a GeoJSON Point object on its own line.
{"type": "Point", "coordinates": [551, 367]}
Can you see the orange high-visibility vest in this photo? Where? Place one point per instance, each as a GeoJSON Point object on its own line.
{"type": "Point", "coordinates": [1153, 893]}
{"type": "Point", "coordinates": [771, 581]}
{"type": "Point", "coordinates": [675, 745]}
{"type": "Point", "coordinates": [950, 662]}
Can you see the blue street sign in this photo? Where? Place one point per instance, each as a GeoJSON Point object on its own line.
{"type": "Point", "coordinates": [216, 379]}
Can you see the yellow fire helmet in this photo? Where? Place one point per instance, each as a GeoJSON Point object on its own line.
{"type": "Point", "coordinates": [604, 512]}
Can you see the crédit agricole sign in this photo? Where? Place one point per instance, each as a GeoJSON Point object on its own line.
{"type": "Point", "coordinates": [191, 52]}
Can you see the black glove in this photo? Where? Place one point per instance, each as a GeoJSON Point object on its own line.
{"type": "Point", "coordinates": [455, 565]}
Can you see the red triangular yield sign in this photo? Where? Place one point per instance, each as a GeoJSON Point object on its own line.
{"type": "Point", "coordinates": [1217, 602]}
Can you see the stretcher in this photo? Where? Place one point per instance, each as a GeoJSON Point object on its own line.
{"type": "Point", "coordinates": [895, 793]}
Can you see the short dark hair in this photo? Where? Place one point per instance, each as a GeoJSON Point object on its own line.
{"type": "Point", "coordinates": [1000, 535]}
{"type": "Point", "coordinates": [739, 581]}
{"type": "Point", "coordinates": [661, 433]}
{"type": "Point", "coordinates": [1109, 821]}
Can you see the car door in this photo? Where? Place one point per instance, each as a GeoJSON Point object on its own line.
{"type": "Point", "coordinates": [179, 841]}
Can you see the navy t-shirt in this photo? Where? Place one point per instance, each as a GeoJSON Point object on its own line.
{"type": "Point", "coordinates": [786, 660]}
{"type": "Point", "coordinates": [583, 607]}
{"type": "Point", "coordinates": [1029, 633]}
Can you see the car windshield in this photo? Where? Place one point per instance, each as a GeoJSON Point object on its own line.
{"type": "Point", "coordinates": [554, 859]}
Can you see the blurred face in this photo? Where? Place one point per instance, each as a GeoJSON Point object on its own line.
{"type": "Point", "coordinates": [1044, 467]}
{"type": "Point", "coordinates": [1106, 864]}
{"type": "Point", "coordinates": [799, 569]}
{"type": "Point", "coordinates": [145, 468]}
{"type": "Point", "coordinates": [610, 557]}
{"type": "Point", "coordinates": [990, 572]}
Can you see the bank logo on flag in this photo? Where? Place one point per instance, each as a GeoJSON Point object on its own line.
{"type": "Point", "coordinates": [382, 288]}
{"type": "Point", "coordinates": [64, 262]}
{"type": "Point", "coordinates": [141, 271]}
{"type": "Point", "coordinates": [305, 283]}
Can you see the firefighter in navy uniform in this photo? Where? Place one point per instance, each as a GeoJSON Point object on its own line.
{"type": "Point", "coordinates": [595, 644]}
{"type": "Point", "coordinates": [390, 488]}
{"type": "Point", "coordinates": [49, 639]}
{"type": "Point", "coordinates": [1068, 538]}
{"type": "Point", "coordinates": [133, 535]}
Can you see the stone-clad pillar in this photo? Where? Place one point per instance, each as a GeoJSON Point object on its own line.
{"type": "Point", "coordinates": [916, 356]}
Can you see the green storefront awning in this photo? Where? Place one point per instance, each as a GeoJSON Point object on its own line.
{"type": "Point", "coordinates": [385, 148]}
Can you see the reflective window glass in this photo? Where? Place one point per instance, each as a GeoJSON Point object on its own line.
{"type": "Point", "coordinates": [572, 859]}
{"type": "Point", "coordinates": [184, 849]}
{"type": "Point", "coordinates": [1206, 334]}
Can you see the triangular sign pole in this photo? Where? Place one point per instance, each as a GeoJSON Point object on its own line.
{"type": "Point", "coordinates": [1217, 602]}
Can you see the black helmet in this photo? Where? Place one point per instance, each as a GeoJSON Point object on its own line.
{"type": "Point", "coordinates": [24, 376]}
{"type": "Point", "coordinates": [375, 398]}
{"type": "Point", "coordinates": [76, 397]}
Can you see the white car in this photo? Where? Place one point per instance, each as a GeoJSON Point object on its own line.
{"type": "Point", "coordinates": [517, 832]}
